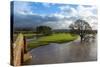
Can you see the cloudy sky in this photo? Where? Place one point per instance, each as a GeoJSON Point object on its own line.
{"type": "Point", "coordinates": [57, 16]}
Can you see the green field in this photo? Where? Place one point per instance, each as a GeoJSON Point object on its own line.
{"type": "Point", "coordinates": [27, 35]}
{"type": "Point", "coordinates": [54, 38]}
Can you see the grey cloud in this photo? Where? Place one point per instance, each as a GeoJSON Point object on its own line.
{"type": "Point", "coordinates": [32, 20]}
{"type": "Point", "coordinates": [36, 20]}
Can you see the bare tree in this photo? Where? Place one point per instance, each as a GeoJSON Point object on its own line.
{"type": "Point", "coordinates": [80, 27]}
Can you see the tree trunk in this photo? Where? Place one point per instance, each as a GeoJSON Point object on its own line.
{"type": "Point", "coordinates": [81, 39]}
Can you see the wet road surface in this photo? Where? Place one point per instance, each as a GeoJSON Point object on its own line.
{"type": "Point", "coordinates": [65, 52]}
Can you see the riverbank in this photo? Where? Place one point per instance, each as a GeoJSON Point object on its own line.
{"type": "Point", "coordinates": [54, 38]}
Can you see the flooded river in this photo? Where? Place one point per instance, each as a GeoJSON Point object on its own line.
{"type": "Point", "coordinates": [74, 51]}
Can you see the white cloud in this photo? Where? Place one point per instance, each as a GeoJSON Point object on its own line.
{"type": "Point", "coordinates": [85, 11]}
{"type": "Point", "coordinates": [46, 4]}
{"type": "Point", "coordinates": [58, 15]}
{"type": "Point", "coordinates": [62, 24]}
{"type": "Point", "coordinates": [74, 12]}
{"type": "Point", "coordinates": [64, 7]}
{"type": "Point", "coordinates": [68, 11]}
{"type": "Point", "coordinates": [93, 21]}
{"type": "Point", "coordinates": [87, 14]}
{"type": "Point", "coordinates": [22, 8]}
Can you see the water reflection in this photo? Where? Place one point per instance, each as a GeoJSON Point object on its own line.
{"type": "Point", "coordinates": [66, 52]}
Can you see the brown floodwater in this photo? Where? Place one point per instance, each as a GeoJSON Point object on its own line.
{"type": "Point", "coordinates": [74, 51]}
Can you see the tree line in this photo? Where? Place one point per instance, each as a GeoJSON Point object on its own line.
{"type": "Point", "coordinates": [79, 27]}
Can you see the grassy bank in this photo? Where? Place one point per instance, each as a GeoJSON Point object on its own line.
{"type": "Point", "coordinates": [54, 38]}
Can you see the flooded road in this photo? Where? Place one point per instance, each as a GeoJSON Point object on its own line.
{"type": "Point", "coordinates": [65, 52]}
